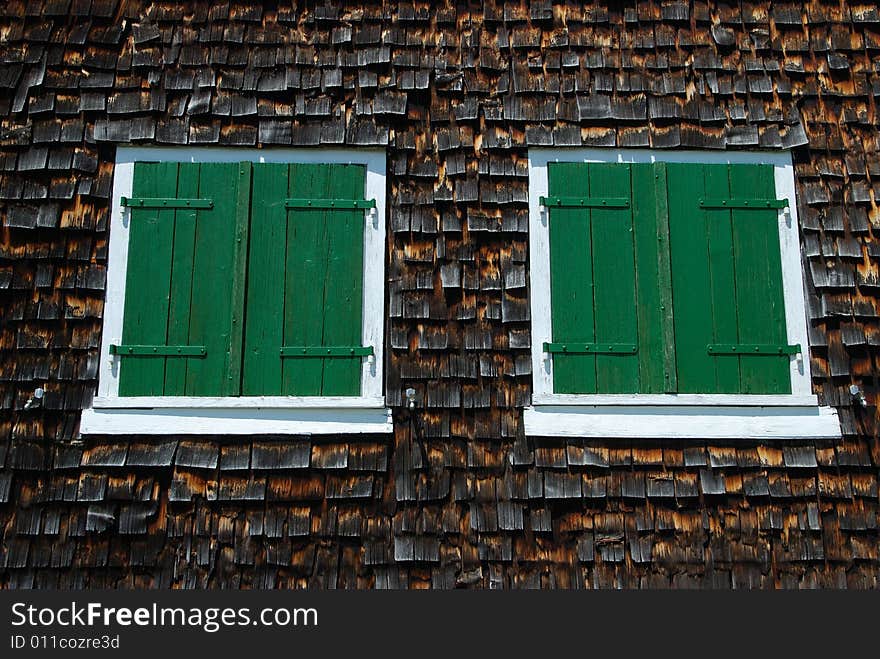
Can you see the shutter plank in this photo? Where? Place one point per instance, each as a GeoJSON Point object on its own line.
{"type": "Point", "coordinates": [239, 273]}
{"type": "Point", "coordinates": [265, 294]}
{"type": "Point", "coordinates": [664, 261]}
{"type": "Point", "coordinates": [760, 305]}
{"type": "Point", "coordinates": [648, 246]}
{"type": "Point", "coordinates": [343, 295]}
{"type": "Point", "coordinates": [614, 279]}
{"type": "Point", "coordinates": [180, 303]}
{"type": "Point", "coordinates": [305, 280]}
{"type": "Point", "coordinates": [723, 304]}
{"type": "Point", "coordinates": [148, 279]}
{"type": "Point", "coordinates": [571, 279]}
{"type": "Point", "coordinates": [691, 279]}
{"type": "Point", "coordinates": [214, 270]}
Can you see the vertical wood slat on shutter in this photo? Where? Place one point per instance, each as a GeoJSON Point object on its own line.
{"type": "Point", "coordinates": [571, 278]}
{"type": "Point", "coordinates": [614, 279]}
{"type": "Point", "coordinates": [653, 287]}
{"type": "Point", "coordinates": [148, 278]}
{"type": "Point", "coordinates": [760, 304]}
{"type": "Point", "coordinates": [664, 259]}
{"type": "Point", "coordinates": [712, 181]}
{"type": "Point", "coordinates": [266, 281]}
{"type": "Point", "coordinates": [241, 228]}
{"type": "Point", "coordinates": [180, 303]}
{"type": "Point", "coordinates": [212, 288]}
{"type": "Point", "coordinates": [343, 292]}
{"type": "Point", "coordinates": [305, 279]}
{"type": "Point", "coordinates": [691, 279]}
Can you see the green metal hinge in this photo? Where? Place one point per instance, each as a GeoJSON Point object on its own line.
{"type": "Point", "coordinates": [326, 351]}
{"type": "Point", "coordinates": [161, 202]}
{"type": "Point", "coordinates": [747, 204]}
{"type": "Point", "coordinates": [749, 349]}
{"type": "Point", "coordinates": [584, 202]}
{"type": "Point", "coordinates": [591, 348]}
{"type": "Point", "coordinates": [330, 204]}
{"type": "Point", "coordinates": [158, 351]}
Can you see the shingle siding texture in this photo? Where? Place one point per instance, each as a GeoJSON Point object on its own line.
{"type": "Point", "coordinates": [457, 94]}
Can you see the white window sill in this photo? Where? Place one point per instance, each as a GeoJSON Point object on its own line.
{"type": "Point", "coordinates": [238, 402]}
{"type": "Point", "coordinates": [663, 400]}
{"type": "Point", "coordinates": [181, 415]}
{"type": "Point", "coordinates": [786, 418]}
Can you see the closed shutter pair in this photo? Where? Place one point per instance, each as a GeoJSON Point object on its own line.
{"type": "Point", "coordinates": [244, 279]}
{"type": "Point", "coordinates": [666, 278]}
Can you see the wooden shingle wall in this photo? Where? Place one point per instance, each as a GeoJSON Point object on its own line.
{"type": "Point", "coordinates": [456, 93]}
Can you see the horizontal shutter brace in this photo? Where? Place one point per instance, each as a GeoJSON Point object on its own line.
{"type": "Point", "coordinates": [591, 348]}
{"type": "Point", "coordinates": [126, 350]}
{"type": "Point", "coordinates": [166, 202]}
{"type": "Point", "coordinates": [750, 349]}
{"type": "Point", "coordinates": [326, 351]}
{"type": "Point", "coordinates": [584, 202]}
{"type": "Point", "coordinates": [743, 204]}
{"type": "Point", "coordinates": [330, 204]}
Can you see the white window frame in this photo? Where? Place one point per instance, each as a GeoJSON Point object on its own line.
{"type": "Point", "coordinates": [704, 416]}
{"type": "Point", "coordinates": [111, 413]}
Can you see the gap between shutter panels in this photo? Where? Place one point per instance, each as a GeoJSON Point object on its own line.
{"type": "Point", "coordinates": [342, 248]}
{"type": "Point", "coordinates": [690, 253]}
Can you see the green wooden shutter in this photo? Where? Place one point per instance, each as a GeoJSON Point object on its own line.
{"type": "Point", "coordinates": [729, 314]}
{"type": "Point", "coordinates": [305, 281]}
{"type": "Point", "coordinates": [593, 279]}
{"type": "Point", "coordinates": [181, 320]}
